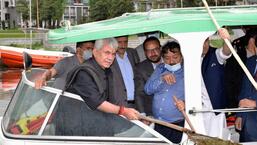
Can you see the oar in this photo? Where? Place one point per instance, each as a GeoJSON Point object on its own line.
{"type": "Point", "coordinates": [184, 114]}
{"type": "Point", "coordinates": [195, 137]}
{"type": "Point", "coordinates": [170, 125]}
{"type": "Point", "coordinates": [248, 74]}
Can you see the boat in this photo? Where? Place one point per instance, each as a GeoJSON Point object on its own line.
{"type": "Point", "coordinates": [32, 114]}
{"type": "Point", "coordinates": [32, 122]}
{"type": "Point", "coordinates": [10, 79]}
{"type": "Point", "coordinates": [12, 57]}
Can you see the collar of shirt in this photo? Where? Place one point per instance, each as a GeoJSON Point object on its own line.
{"type": "Point", "coordinates": [97, 66]}
{"type": "Point", "coordinates": [156, 64]}
{"type": "Point", "coordinates": [124, 56]}
{"type": "Point", "coordinates": [127, 75]}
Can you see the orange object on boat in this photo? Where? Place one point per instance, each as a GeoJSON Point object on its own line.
{"type": "Point", "coordinates": [13, 57]}
{"type": "Point", "coordinates": [10, 79]}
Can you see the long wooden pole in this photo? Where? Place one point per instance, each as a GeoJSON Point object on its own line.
{"type": "Point", "coordinates": [185, 115]}
{"type": "Point", "coordinates": [37, 15]}
{"type": "Point", "coordinates": [248, 74]}
{"type": "Point", "coordinates": [170, 125]}
{"type": "Point", "coordinates": [30, 24]}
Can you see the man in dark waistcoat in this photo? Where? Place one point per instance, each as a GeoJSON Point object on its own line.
{"type": "Point", "coordinates": [91, 82]}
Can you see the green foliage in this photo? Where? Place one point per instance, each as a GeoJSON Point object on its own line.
{"type": "Point", "coordinates": [119, 7]}
{"type": "Point", "coordinates": [197, 3]}
{"type": "Point", "coordinates": [35, 46]}
{"type": "Point", "coordinates": [98, 9]}
{"type": "Point", "coordinates": [11, 31]}
{"type": "Point", "coordinates": [105, 9]}
{"type": "Point", "coordinates": [15, 33]}
{"type": "Point", "coordinates": [22, 7]}
{"type": "Point", "coordinates": [51, 9]}
{"type": "Point", "coordinates": [142, 8]}
{"type": "Point", "coordinates": [48, 9]}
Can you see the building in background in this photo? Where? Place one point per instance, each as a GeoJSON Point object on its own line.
{"type": "Point", "coordinates": [246, 2]}
{"type": "Point", "coordinates": [8, 15]}
{"type": "Point", "coordinates": [146, 5]}
{"type": "Point", "coordinates": [76, 11]}
{"type": "Point", "coordinates": [251, 2]}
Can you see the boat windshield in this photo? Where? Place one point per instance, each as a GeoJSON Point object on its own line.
{"type": "Point", "coordinates": [47, 112]}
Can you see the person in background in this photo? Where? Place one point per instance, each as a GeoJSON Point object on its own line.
{"type": "Point", "coordinates": [246, 122]}
{"type": "Point", "coordinates": [123, 73]}
{"type": "Point", "coordinates": [141, 39]}
{"type": "Point", "coordinates": [69, 49]}
{"type": "Point", "coordinates": [167, 81]}
{"type": "Point", "coordinates": [61, 68]}
{"type": "Point", "coordinates": [233, 71]}
{"type": "Point", "coordinates": [152, 50]}
{"type": "Point", "coordinates": [213, 61]}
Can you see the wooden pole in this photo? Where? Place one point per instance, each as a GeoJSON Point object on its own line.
{"type": "Point", "coordinates": [37, 15]}
{"type": "Point", "coordinates": [170, 125]}
{"type": "Point", "coordinates": [30, 24]}
{"type": "Point", "coordinates": [185, 115]}
{"type": "Point", "coordinates": [248, 74]}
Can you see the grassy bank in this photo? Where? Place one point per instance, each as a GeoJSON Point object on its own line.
{"type": "Point", "coordinates": [14, 34]}
{"type": "Point", "coordinates": [35, 46]}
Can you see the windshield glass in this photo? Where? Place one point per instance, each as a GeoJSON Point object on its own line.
{"type": "Point", "coordinates": [74, 118]}
{"type": "Point", "coordinates": [27, 110]}
{"type": "Point", "coordinates": [70, 117]}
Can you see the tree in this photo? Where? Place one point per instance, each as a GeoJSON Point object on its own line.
{"type": "Point", "coordinates": [119, 7]}
{"type": "Point", "coordinates": [22, 7]}
{"type": "Point", "coordinates": [104, 9]}
{"type": "Point", "coordinates": [197, 3]}
{"type": "Point", "coordinates": [142, 7]}
{"type": "Point", "coordinates": [98, 9]}
{"type": "Point", "coordinates": [49, 10]}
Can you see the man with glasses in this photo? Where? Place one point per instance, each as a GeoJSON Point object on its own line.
{"type": "Point", "coordinates": [143, 71]}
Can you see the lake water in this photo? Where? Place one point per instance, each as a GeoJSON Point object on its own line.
{"type": "Point", "coordinates": [9, 78]}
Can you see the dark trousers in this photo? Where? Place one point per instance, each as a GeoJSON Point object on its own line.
{"type": "Point", "coordinates": [248, 133]}
{"type": "Point", "coordinates": [171, 134]}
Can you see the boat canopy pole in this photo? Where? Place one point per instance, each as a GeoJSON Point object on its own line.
{"type": "Point", "coordinates": [248, 74]}
{"type": "Point", "coordinates": [229, 110]}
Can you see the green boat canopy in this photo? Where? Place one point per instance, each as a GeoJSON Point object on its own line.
{"type": "Point", "coordinates": [174, 20]}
